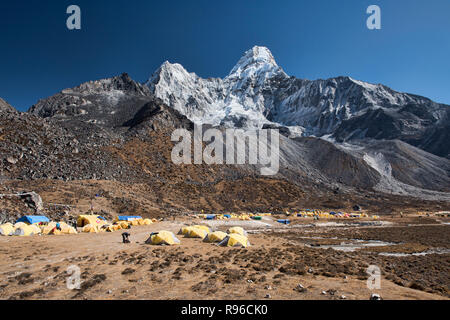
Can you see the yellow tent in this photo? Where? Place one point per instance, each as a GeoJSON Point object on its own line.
{"type": "Point", "coordinates": [147, 222]}
{"type": "Point", "coordinates": [71, 230]}
{"type": "Point", "coordinates": [20, 224]}
{"type": "Point", "coordinates": [51, 229]}
{"type": "Point", "coordinates": [90, 229]}
{"type": "Point", "coordinates": [55, 232]}
{"type": "Point", "coordinates": [185, 230]}
{"type": "Point", "coordinates": [35, 228]}
{"type": "Point", "coordinates": [237, 230]}
{"type": "Point", "coordinates": [109, 228]}
{"type": "Point", "coordinates": [48, 228]}
{"type": "Point", "coordinates": [235, 240]}
{"type": "Point", "coordinates": [89, 219]}
{"type": "Point", "coordinates": [7, 229]}
{"type": "Point", "coordinates": [217, 236]}
{"type": "Point", "coordinates": [113, 227]}
{"type": "Point", "coordinates": [196, 233]}
{"type": "Point", "coordinates": [124, 224]}
{"type": "Point", "coordinates": [162, 238]}
{"type": "Point", "coordinates": [134, 222]}
{"type": "Point", "coordinates": [202, 227]}
{"type": "Point", "coordinates": [24, 231]}
{"type": "Point", "coordinates": [63, 225]}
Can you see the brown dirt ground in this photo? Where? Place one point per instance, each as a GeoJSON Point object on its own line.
{"type": "Point", "coordinates": [35, 267]}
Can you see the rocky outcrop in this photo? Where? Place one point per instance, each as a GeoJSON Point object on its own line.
{"type": "Point", "coordinates": [5, 106]}
{"type": "Point", "coordinates": [15, 205]}
{"type": "Point", "coordinates": [33, 200]}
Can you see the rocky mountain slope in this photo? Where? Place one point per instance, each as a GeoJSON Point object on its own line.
{"type": "Point", "coordinates": [5, 106]}
{"type": "Point", "coordinates": [118, 130]}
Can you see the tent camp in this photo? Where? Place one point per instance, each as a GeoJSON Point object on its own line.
{"type": "Point", "coordinates": [217, 236]}
{"type": "Point", "coordinates": [237, 230]}
{"type": "Point", "coordinates": [7, 229]}
{"type": "Point", "coordinates": [33, 219]}
{"type": "Point", "coordinates": [235, 240]}
{"type": "Point", "coordinates": [94, 220]}
{"type": "Point", "coordinates": [162, 238]}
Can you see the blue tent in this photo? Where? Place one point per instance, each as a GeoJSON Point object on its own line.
{"type": "Point", "coordinates": [33, 219]}
{"type": "Point", "coordinates": [210, 217]}
{"type": "Point", "coordinates": [284, 221]}
{"type": "Point", "coordinates": [128, 218]}
{"type": "Point", "coordinates": [228, 216]}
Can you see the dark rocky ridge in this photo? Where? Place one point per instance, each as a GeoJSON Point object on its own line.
{"type": "Point", "coordinates": [5, 106]}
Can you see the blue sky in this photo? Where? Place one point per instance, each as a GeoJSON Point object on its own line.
{"type": "Point", "coordinates": [39, 56]}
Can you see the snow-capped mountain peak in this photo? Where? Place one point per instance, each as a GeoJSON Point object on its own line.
{"type": "Point", "coordinates": [169, 74]}
{"type": "Point", "coordinates": [174, 70]}
{"type": "Point", "coordinates": [257, 58]}
{"type": "Point", "coordinates": [236, 100]}
{"type": "Point", "coordinates": [257, 92]}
